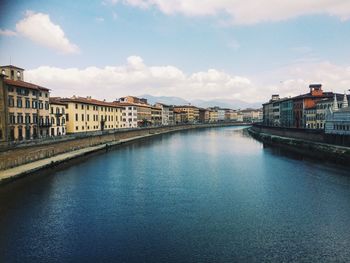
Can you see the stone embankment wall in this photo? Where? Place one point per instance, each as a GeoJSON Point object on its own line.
{"type": "Point", "coordinates": [305, 144]}
{"type": "Point", "coordinates": [15, 155]}
{"type": "Point", "coordinates": [303, 134]}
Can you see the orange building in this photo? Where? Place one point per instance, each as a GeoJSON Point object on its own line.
{"type": "Point", "coordinates": [307, 101]}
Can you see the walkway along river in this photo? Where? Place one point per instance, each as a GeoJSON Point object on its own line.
{"type": "Point", "coordinates": [211, 195]}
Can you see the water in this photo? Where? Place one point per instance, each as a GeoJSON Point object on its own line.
{"type": "Point", "coordinates": [213, 195]}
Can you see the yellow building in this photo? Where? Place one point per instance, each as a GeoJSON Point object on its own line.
{"type": "Point", "coordinates": [192, 113]}
{"type": "Point", "coordinates": [87, 114]}
{"type": "Point", "coordinates": [213, 116]}
{"type": "Point", "coordinates": [26, 107]}
{"type": "Point", "coordinates": [57, 117]}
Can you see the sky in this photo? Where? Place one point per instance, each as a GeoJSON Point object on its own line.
{"type": "Point", "coordinates": [194, 49]}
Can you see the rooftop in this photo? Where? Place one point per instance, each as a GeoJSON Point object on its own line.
{"type": "Point", "coordinates": [23, 84]}
{"type": "Point", "coordinates": [90, 101]}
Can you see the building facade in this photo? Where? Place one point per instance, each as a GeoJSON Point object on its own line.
{"type": "Point", "coordinates": [27, 107]}
{"type": "Point", "coordinates": [3, 109]}
{"type": "Point", "coordinates": [167, 114]}
{"type": "Point", "coordinates": [192, 113]}
{"type": "Point", "coordinates": [129, 115]}
{"type": "Point", "coordinates": [286, 113]}
{"type": "Point", "coordinates": [57, 117]}
{"type": "Point", "coordinates": [87, 115]}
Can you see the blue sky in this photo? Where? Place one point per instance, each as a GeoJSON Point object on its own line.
{"type": "Point", "coordinates": [216, 51]}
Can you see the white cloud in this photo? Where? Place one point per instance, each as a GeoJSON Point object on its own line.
{"type": "Point", "coordinates": [7, 32]}
{"type": "Point", "coordinates": [39, 28]}
{"type": "Point", "coordinates": [135, 78]}
{"type": "Point", "coordinates": [247, 12]}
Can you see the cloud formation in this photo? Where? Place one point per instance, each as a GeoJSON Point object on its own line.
{"type": "Point", "coordinates": [247, 12]}
{"type": "Point", "coordinates": [135, 78]}
{"type": "Point", "coordinates": [7, 32]}
{"type": "Point", "coordinates": [39, 28]}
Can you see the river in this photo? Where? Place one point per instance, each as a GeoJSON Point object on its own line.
{"type": "Point", "coordinates": [210, 195]}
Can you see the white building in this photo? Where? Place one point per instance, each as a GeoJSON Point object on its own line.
{"type": "Point", "coordinates": [129, 115]}
{"type": "Point", "coordinates": [167, 114]}
{"type": "Point", "coordinates": [338, 119]}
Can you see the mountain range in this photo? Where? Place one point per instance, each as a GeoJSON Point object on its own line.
{"type": "Point", "coordinates": [224, 103]}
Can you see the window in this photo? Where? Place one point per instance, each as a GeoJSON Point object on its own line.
{"type": "Point", "coordinates": [76, 106]}
{"type": "Point", "coordinates": [67, 117]}
{"type": "Point", "coordinates": [82, 106]}
{"type": "Point", "coordinates": [12, 118]}
{"type": "Point", "coordinates": [40, 104]}
{"type": "Point", "coordinates": [35, 118]}
{"type": "Point", "coordinates": [10, 89]}
{"type": "Point", "coordinates": [34, 93]}
{"type": "Point", "coordinates": [27, 119]}
{"type": "Point", "coordinates": [20, 118]}
{"type": "Point", "coordinates": [19, 102]}
{"type": "Point", "coordinates": [76, 128]}
{"type": "Point", "coordinates": [11, 101]}
{"type": "Point", "coordinates": [46, 105]}
{"type": "Point", "coordinates": [76, 117]}
{"type": "Point", "coordinates": [82, 117]}
{"type": "Point", "coordinates": [27, 103]}
{"type": "Point", "coordinates": [88, 117]}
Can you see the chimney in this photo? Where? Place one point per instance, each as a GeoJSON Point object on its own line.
{"type": "Point", "coordinates": [316, 89]}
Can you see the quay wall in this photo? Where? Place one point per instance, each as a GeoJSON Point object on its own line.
{"type": "Point", "coordinates": [24, 153]}
{"type": "Point", "coordinates": [308, 144]}
{"type": "Point", "coordinates": [304, 134]}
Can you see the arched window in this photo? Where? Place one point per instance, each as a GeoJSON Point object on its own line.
{"type": "Point", "coordinates": [52, 120]}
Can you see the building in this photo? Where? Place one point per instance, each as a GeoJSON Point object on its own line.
{"type": "Point", "coordinates": [270, 112]}
{"type": "Point", "coordinates": [143, 109]}
{"type": "Point", "coordinates": [87, 115]}
{"type": "Point", "coordinates": [192, 113]}
{"type": "Point", "coordinates": [203, 115]}
{"type": "Point", "coordinates": [286, 118]}
{"type": "Point", "coordinates": [324, 104]}
{"type": "Point", "coordinates": [167, 114]}
{"type": "Point", "coordinates": [338, 119]}
{"type": "Point", "coordinates": [26, 107]}
{"type": "Point", "coordinates": [306, 101]}
{"type": "Point", "coordinates": [129, 114]}
{"type": "Point", "coordinates": [156, 116]}
{"type": "Point", "coordinates": [231, 115]}
{"type": "Point", "coordinates": [12, 72]}
{"type": "Point", "coordinates": [3, 109]}
{"type": "Point", "coordinates": [252, 115]}
{"type": "Point", "coordinates": [213, 115]}
{"type": "Point", "coordinates": [180, 116]}
{"type": "Point", "coordinates": [310, 117]}
{"type": "Point", "coordinates": [57, 117]}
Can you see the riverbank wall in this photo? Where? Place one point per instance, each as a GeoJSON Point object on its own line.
{"type": "Point", "coordinates": [26, 158]}
{"type": "Point", "coordinates": [310, 144]}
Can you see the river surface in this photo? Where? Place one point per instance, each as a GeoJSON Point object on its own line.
{"type": "Point", "coordinates": [211, 195]}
